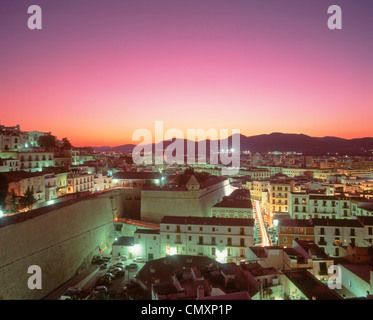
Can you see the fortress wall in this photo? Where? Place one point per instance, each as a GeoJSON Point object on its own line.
{"type": "Point", "coordinates": [62, 242]}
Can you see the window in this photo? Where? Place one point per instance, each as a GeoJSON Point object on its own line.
{"type": "Point", "coordinates": [229, 241]}
{"type": "Point", "coordinates": [229, 230]}
{"type": "Point", "coordinates": [284, 239]}
{"type": "Point", "coordinates": [213, 240]}
{"type": "Point", "coordinates": [213, 229]}
{"type": "Point", "coordinates": [154, 238]}
{"type": "Point", "coordinates": [168, 237]}
{"type": "Point", "coordinates": [370, 231]}
{"type": "Point", "coordinates": [213, 251]}
{"type": "Point", "coordinates": [177, 228]}
{"type": "Point", "coordinates": [167, 227]}
{"type": "Point", "coordinates": [242, 242]}
{"type": "Point", "coordinates": [190, 238]}
{"type": "Point", "coordinates": [200, 228]}
{"type": "Point", "coordinates": [189, 228]}
{"type": "Point", "coordinates": [200, 241]}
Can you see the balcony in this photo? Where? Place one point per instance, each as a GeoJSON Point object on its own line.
{"type": "Point", "coordinates": [322, 243]}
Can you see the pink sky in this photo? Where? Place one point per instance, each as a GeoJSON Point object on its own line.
{"type": "Point", "coordinates": [97, 72]}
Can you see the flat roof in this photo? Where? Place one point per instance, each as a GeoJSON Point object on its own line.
{"type": "Point", "coordinates": [295, 222]}
{"type": "Point", "coordinates": [210, 221]}
{"type": "Point", "coordinates": [234, 203]}
{"type": "Point", "coordinates": [353, 223]}
{"type": "Point", "coordinates": [137, 175]}
{"type": "Point", "coordinates": [147, 231]}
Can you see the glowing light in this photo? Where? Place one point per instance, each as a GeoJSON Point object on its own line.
{"type": "Point", "coordinates": [1, 213]}
{"type": "Point", "coordinates": [221, 255]}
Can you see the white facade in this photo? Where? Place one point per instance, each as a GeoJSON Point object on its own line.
{"type": "Point", "coordinates": [147, 244]}
{"type": "Point", "coordinates": [203, 236]}
{"type": "Point", "coordinates": [330, 237]}
{"type": "Point", "coordinates": [80, 183]}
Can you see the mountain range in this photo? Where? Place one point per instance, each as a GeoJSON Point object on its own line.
{"type": "Point", "coordinates": [282, 142]}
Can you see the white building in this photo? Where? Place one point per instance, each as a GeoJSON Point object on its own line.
{"type": "Point", "coordinates": [356, 279]}
{"type": "Point", "coordinates": [304, 206]}
{"type": "Point", "coordinates": [147, 244]}
{"type": "Point", "coordinates": [223, 239]}
{"type": "Point", "coordinates": [80, 182]}
{"type": "Point", "coordinates": [332, 233]}
{"type": "Point", "coordinates": [102, 182]}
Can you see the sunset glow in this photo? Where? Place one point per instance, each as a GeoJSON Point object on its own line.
{"type": "Point", "coordinates": [98, 70]}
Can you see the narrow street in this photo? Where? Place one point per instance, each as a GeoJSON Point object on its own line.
{"type": "Point", "coordinates": [263, 231]}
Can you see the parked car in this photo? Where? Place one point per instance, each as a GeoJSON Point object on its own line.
{"type": "Point", "coordinates": [70, 293]}
{"type": "Point", "coordinates": [119, 264]}
{"type": "Point", "coordinates": [115, 270]}
{"type": "Point", "coordinates": [104, 281]}
{"type": "Point", "coordinates": [105, 265]}
{"type": "Point", "coordinates": [123, 258]}
{"type": "Point", "coordinates": [132, 266]}
{"type": "Point", "coordinates": [120, 274]}
{"type": "Point", "coordinates": [138, 259]}
{"type": "Point", "coordinates": [109, 275]}
{"type": "Point", "coordinates": [101, 289]}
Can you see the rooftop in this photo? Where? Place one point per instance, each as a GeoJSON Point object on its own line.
{"type": "Point", "coordinates": [295, 223]}
{"type": "Point", "coordinates": [361, 270]}
{"type": "Point", "coordinates": [137, 175]}
{"type": "Point", "coordinates": [352, 223]}
{"type": "Point", "coordinates": [124, 241]}
{"type": "Point", "coordinates": [147, 231]}
{"type": "Point", "coordinates": [233, 203]}
{"type": "Point", "coordinates": [210, 221]}
{"type": "Point", "coordinates": [310, 286]}
{"type": "Point", "coordinates": [15, 176]}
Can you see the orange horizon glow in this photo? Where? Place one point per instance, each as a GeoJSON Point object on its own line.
{"type": "Point", "coordinates": [96, 73]}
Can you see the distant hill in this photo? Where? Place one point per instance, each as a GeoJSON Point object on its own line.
{"type": "Point", "coordinates": [283, 142]}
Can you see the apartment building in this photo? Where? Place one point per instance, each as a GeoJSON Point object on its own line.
{"type": "Point", "coordinates": [223, 239]}
{"type": "Point", "coordinates": [279, 191]}
{"type": "Point", "coordinates": [147, 244]}
{"type": "Point", "coordinates": [330, 234]}
{"type": "Point", "coordinates": [20, 181]}
{"type": "Point", "coordinates": [35, 161]}
{"type": "Point", "coordinates": [305, 206]}
{"type": "Point", "coordinates": [289, 230]}
{"type": "Point", "coordinates": [236, 205]}
{"type": "Point", "coordinates": [80, 182]}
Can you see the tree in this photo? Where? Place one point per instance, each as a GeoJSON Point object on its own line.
{"type": "Point", "coordinates": [48, 141]}
{"type": "Point", "coordinates": [66, 145]}
{"type": "Point", "coordinates": [3, 190]}
{"type": "Point", "coordinates": [28, 199]}
{"type": "Point", "coordinates": [13, 205]}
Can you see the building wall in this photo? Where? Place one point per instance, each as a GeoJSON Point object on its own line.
{"type": "Point", "coordinates": [187, 240]}
{"type": "Point", "coordinates": [286, 235]}
{"type": "Point", "coordinates": [158, 203]}
{"type": "Point", "coordinates": [357, 286]}
{"type": "Point", "coordinates": [62, 242]}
